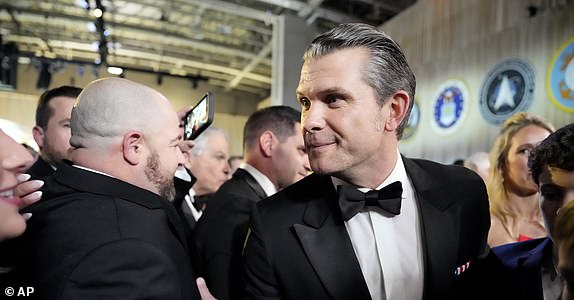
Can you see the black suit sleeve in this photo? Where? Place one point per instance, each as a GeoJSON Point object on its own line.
{"type": "Point", "coordinates": [259, 280]}
{"type": "Point", "coordinates": [223, 247]}
{"type": "Point", "coordinates": [125, 269]}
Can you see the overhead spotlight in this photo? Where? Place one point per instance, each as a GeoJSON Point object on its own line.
{"type": "Point", "coordinates": [98, 13]}
{"type": "Point", "coordinates": [115, 70]}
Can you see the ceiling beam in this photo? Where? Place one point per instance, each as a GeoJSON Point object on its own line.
{"type": "Point", "coordinates": [325, 13]}
{"type": "Point", "coordinates": [249, 67]}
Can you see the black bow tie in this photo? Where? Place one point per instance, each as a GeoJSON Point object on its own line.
{"type": "Point", "coordinates": [351, 200]}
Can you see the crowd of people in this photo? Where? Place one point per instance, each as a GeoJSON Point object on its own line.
{"type": "Point", "coordinates": [322, 204]}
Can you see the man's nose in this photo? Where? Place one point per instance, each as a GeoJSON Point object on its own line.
{"type": "Point", "coordinates": [313, 119]}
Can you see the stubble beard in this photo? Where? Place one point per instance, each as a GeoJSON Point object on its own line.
{"type": "Point", "coordinates": [164, 184]}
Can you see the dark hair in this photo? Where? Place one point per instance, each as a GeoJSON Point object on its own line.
{"type": "Point", "coordinates": [387, 71]}
{"type": "Point", "coordinates": [557, 151]}
{"type": "Point", "coordinates": [280, 120]}
{"type": "Point", "coordinates": [43, 110]}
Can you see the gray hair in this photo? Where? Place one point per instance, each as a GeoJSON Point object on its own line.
{"type": "Point", "coordinates": [203, 138]}
{"type": "Point", "coordinates": [388, 70]}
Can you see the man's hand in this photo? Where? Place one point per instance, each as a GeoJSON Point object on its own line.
{"type": "Point", "coordinates": [203, 290]}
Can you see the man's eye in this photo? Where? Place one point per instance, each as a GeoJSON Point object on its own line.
{"type": "Point", "coordinates": [305, 103]}
{"type": "Point", "coordinates": [331, 99]}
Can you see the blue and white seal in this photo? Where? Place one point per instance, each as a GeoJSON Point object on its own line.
{"type": "Point", "coordinates": [450, 106]}
{"type": "Point", "coordinates": [508, 89]}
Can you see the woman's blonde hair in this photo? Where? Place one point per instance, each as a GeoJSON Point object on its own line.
{"type": "Point", "coordinates": [497, 190]}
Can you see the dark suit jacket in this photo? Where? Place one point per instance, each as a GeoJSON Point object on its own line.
{"type": "Point", "coordinates": [101, 238]}
{"type": "Point", "coordinates": [525, 260]}
{"type": "Point", "coordinates": [299, 248]}
{"type": "Point", "coordinates": [181, 190]}
{"type": "Point", "coordinates": [40, 169]}
{"type": "Point", "coordinates": [220, 233]}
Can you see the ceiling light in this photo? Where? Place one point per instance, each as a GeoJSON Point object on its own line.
{"type": "Point", "coordinates": [24, 60]}
{"type": "Point", "coordinates": [98, 13]}
{"type": "Point", "coordinates": [115, 70]}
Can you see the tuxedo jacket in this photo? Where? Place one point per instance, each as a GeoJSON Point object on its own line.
{"type": "Point", "coordinates": [96, 237]}
{"type": "Point", "coordinates": [525, 260]}
{"type": "Point", "coordinates": [40, 169]}
{"type": "Point", "coordinates": [299, 248]}
{"type": "Point", "coordinates": [220, 233]}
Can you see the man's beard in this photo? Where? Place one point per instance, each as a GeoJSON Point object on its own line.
{"type": "Point", "coordinates": [154, 175]}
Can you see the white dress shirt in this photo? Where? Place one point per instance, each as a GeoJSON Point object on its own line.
{"type": "Point", "coordinates": [389, 248]}
{"type": "Point", "coordinates": [263, 181]}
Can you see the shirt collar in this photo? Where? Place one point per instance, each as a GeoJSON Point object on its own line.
{"type": "Point", "coordinates": [263, 181]}
{"type": "Point", "coordinates": [92, 170]}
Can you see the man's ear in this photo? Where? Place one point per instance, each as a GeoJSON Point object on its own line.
{"type": "Point", "coordinates": [266, 140]}
{"type": "Point", "coordinates": [133, 146]}
{"type": "Point", "coordinates": [398, 106]}
{"type": "Point", "coordinates": [38, 134]}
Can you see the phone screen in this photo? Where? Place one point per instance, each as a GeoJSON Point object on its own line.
{"type": "Point", "coordinates": [199, 118]}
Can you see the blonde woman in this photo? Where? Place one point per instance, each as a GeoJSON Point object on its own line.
{"type": "Point", "coordinates": [514, 209]}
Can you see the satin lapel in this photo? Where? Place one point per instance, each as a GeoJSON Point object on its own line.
{"type": "Point", "coordinates": [327, 246]}
{"type": "Point", "coordinates": [439, 229]}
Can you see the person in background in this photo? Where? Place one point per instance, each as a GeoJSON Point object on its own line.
{"type": "Point", "coordinates": [16, 191]}
{"type": "Point", "coordinates": [564, 240]}
{"type": "Point", "coordinates": [533, 262]}
{"type": "Point", "coordinates": [234, 162]}
{"type": "Point", "coordinates": [207, 163]}
{"type": "Point", "coordinates": [52, 129]}
{"type": "Point", "coordinates": [108, 230]}
{"type": "Point", "coordinates": [479, 163]}
{"type": "Point", "coordinates": [368, 223]}
{"type": "Point", "coordinates": [275, 157]}
{"type": "Point", "coordinates": [513, 194]}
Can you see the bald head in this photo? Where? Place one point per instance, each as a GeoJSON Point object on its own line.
{"type": "Point", "coordinates": [110, 107]}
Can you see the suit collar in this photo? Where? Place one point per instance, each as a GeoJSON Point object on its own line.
{"type": "Point", "coordinates": [94, 183]}
{"type": "Point", "coordinates": [245, 176]}
{"type": "Point", "coordinates": [98, 184]}
{"type": "Point", "coordinates": [262, 180]}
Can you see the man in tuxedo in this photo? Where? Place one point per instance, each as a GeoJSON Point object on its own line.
{"type": "Point", "coordinates": [533, 262]}
{"type": "Point", "coordinates": [109, 231]}
{"type": "Point", "coordinates": [275, 157]}
{"type": "Point", "coordinates": [52, 129]}
{"type": "Point", "coordinates": [369, 223]}
{"type": "Point", "coordinates": [207, 163]}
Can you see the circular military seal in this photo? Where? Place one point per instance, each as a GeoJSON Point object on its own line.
{"type": "Point", "coordinates": [413, 122]}
{"type": "Point", "coordinates": [507, 89]}
{"type": "Point", "coordinates": [560, 77]}
{"type": "Point", "coordinates": [450, 106]}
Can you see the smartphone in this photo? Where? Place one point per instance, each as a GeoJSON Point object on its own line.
{"type": "Point", "coordinates": [199, 118]}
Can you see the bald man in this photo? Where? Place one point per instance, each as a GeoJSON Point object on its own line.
{"type": "Point", "coordinates": [106, 229]}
